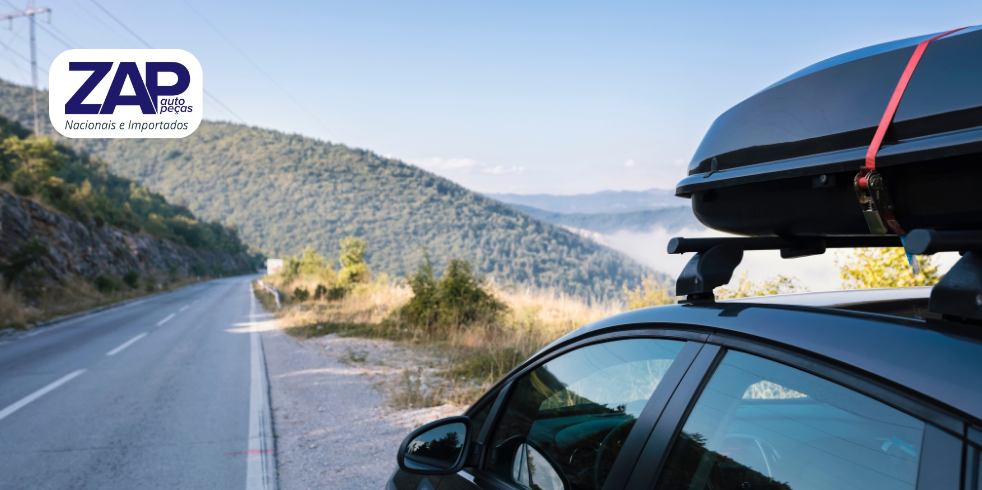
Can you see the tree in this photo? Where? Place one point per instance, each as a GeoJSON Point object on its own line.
{"type": "Point", "coordinates": [866, 268]}
{"type": "Point", "coordinates": [310, 262]}
{"type": "Point", "coordinates": [649, 293]}
{"type": "Point", "coordinates": [352, 259]}
{"type": "Point", "coordinates": [746, 288]}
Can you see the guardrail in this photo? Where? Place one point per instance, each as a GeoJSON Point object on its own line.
{"type": "Point", "coordinates": [271, 290]}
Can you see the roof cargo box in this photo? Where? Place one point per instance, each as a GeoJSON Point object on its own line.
{"type": "Point", "coordinates": [785, 161]}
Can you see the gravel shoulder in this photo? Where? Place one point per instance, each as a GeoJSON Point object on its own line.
{"type": "Point", "coordinates": [333, 426]}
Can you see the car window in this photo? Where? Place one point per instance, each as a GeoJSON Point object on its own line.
{"type": "Point", "coordinates": [566, 420]}
{"type": "Point", "coordinates": [759, 424]}
{"type": "Point", "coordinates": [973, 469]}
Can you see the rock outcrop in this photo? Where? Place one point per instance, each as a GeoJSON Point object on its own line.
{"type": "Point", "coordinates": [88, 250]}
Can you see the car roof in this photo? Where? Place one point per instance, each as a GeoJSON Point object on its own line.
{"type": "Point", "coordinates": [839, 299]}
{"type": "Point", "coordinates": [938, 359]}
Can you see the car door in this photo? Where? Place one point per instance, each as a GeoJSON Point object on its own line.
{"type": "Point", "coordinates": [579, 417]}
{"type": "Point", "coordinates": [750, 422]}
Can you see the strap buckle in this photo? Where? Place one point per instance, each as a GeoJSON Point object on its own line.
{"type": "Point", "coordinates": [875, 202]}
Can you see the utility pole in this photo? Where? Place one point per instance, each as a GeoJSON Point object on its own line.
{"type": "Point", "coordinates": [29, 13]}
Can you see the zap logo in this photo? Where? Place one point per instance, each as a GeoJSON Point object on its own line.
{"type": "Point", "coordinates": [125, 93]}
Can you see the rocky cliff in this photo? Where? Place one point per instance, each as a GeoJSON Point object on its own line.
{"type": "Point", "coordinates": [87, 250]}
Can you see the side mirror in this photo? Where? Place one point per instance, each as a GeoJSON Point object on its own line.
{"type": "Point", "coordinates": [437, 448]}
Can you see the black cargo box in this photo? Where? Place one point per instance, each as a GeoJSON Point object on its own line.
{"type": "Point", "coordinates": [786, 158]}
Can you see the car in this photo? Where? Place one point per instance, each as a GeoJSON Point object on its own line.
{"type": "Point", "coordinates": [869, 389]}
{"type": "Point", "coordinates": [847, 389]}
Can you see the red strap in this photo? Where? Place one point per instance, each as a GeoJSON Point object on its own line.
{"type": "Point", "coordinates": [898, 92]}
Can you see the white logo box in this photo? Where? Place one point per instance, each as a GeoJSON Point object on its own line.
{"type": "Point", "coordinates": [136, 98]}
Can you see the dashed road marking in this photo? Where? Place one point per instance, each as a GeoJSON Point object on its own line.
{"type": "Point", "coordinates": [165, 320]}
{"type": "Point", "coordinates": [127, 344]}
{"type": "Point", "coordinates": [38, 394]}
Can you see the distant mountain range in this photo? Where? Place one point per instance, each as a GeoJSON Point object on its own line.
{"type": "Point", "coordinates": [286, 191]}
{"type": "Point", "coordinates": [599, 202]}
{"type": "Point", "coordinates": [671, 219]}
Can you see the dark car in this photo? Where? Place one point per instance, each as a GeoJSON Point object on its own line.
{"type": "Point", "coordinates": [875, 389]}
{"type": "Point", "coordinates": [849, 389]}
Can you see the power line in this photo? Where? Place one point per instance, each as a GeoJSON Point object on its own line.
{"type": "Point", "coordinates": [225, 107]}
{"type": "Point", "coordinates": [39, 51]}
{"type": "Point", "coordinates": [113, 17]}
{"type": "Point", "coordinates": [56, 38]}
{"type": "Point", "coordinates": [64, 36]}
{"type": "Point", "coordinates": [12, 36]}
{"type": "Point", "coordinates": [25, 58]}
{"type": "Point", "coordinates": [98, 19]}
{"type": "Point", "coordinates": [255, 65]}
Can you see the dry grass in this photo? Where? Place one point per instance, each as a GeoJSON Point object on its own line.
{"type": "Point", "coordinates": [466, 360]}
{"type": "Point", "coordinates": [534, 319]}
{"type": "Point", "coordinates": [72, 297]}
{"type": "Point", "coordinates": [366, 303]}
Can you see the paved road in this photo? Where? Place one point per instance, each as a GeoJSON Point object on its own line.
{"type": "Point", "coordinates": [166, 392]}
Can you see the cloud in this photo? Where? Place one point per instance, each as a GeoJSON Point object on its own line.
{"type": "Point", "coordinates": [678, 163]}
{"type": "Point", "coordinates": [629, 163]}
{"type": "Point", "coordinates": [437, 163]}
{"type": "Point", "coordinates": [500, 169]}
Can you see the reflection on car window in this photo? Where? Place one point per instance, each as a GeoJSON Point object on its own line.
{"type": "Point", "coordinates": [566, 420]}
{"type": "Point", "coordinates": [533, 470]}
{"type": "Point", "coordinates": [763, 425]}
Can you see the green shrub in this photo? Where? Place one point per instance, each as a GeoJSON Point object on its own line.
{"type": "Point", "coordinates": [354, 269]}
{"type": "Point", "coordinates": [301, 294]}
{"type": "Point", "coordinates": [150, 287]}
{"type": "Point", "coordinates": [320, 291]}
{"type": "Point", "coordinates": [28, 254]}
{"type": "Point", "coordinates": [198, 270]}
{"type": "Point", "coordinates": [105, 284]}
{"type": "Point", "coordinates": [131, 279]}
{"type": "Point", "coordinates": [336, 293]}
{"type": "Point", "coordinates": [456, 299]}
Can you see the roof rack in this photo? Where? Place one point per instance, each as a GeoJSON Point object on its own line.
{"type": "Point", "coordinates": [957, 295]}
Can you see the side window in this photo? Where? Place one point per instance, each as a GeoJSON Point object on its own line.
{"type": "Point", "coordinates": [762, 425]}
{"type": "Point", "coordinates": [973, 468]}
{"type": "Point", "coordinates": [565, 421]}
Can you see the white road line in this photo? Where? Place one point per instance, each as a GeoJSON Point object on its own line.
{"type": "Point", "coordinates": [260, 465]}
{"type": "Point", "coordinates": [165, 320]}
{"type": "Point", "coordinates": [127, 344]}
{"type": "Point", "coordinates": [38, 394]}
{"type": "Point", "coordinates": [185, 307]}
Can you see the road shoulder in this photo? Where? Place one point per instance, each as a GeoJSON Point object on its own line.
{"type": "Point", "coordinates": [332, 424]}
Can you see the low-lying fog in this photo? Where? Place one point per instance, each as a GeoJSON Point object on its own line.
{"type": "Point", "coordinates": [817, 273]}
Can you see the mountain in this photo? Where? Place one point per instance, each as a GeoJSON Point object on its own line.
{"type": "Point", "coordinates": [598, 202]}
{"type": "Point", "coordinates": [286, 191]}
{"type": "Point", "coordinates": [671, 219]}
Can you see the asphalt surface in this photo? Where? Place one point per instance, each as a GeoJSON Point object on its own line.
{"type": "Point", "coordinates": [159, 393]}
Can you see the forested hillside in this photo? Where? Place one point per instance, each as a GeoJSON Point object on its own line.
{"type": "Point", "coordinates": [284, 192]}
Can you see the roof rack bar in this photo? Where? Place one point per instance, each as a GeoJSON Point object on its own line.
{"type": "Point", "coordinates": [928, 242]}
{"type": "Point", "coordinates": [680, 245]}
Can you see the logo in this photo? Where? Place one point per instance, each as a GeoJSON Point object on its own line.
{"type": "Point", "coordinates": [125, 93]}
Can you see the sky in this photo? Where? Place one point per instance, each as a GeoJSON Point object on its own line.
{"type": "Point", "coordinates": [522, 97]}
